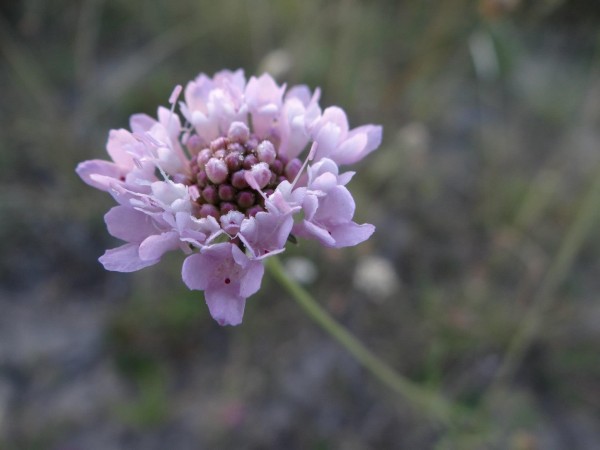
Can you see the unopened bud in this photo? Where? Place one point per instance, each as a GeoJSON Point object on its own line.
{"type": "Point", "coordinates": [216, 170]}
{"type": "Point", "coordinates": [238, 132]}
{"type": "Point", "coordinates": [238, 180]}
{"type": "Point", "coordinates": [266, 152]}
{"type": "Point", "coordinates": [293, 168]}
{"type": "Point", "coordinates": [245, 199]}
{"type": "Point", "coordinates": [209, 210]}
{"type": "Point", "coordinates": [209, 194]}
{"type": "Point", "coordinates": [226, 192]}
{"type": "Point", "coordinates": [260, 173]}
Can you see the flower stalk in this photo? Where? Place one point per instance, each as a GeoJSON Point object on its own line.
{"type": "Point", "coordinates": [430, 402]}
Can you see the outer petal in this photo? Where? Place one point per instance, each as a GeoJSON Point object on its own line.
{"type": "Point", "coordinates": [351, 233]}
{"type": "Point", "coordinates": [352, 154]}
{"type": "Point", "coordinates": [250, 275]}
{"type": "Point", "coordinates": [140, 123]}
{"type": "Point", "coordinates": [129, 224]}
{"type": "Point", "coordinates": [225, 306]}
{"type": "Point", "coordinates": [98, 173]}
{"type": "Point", "coordinates": [266, 233]}
{"type": "Point", "coordinates": [310, 230]}
{"type": "Point", "coordinates": [350, 150]}
{"type": "Point", "coordinates": [251, 280]}
{"type": "Point", "coordinates": [336, 207]}
{"type": "Point", "coordinates": [121, 145]}
{"type": "Point", "coordinates": [157, 245]}
{"type": "Point", "coordinates": [196, 271]}
{"type": "Point", "coordinates": [124, 259]}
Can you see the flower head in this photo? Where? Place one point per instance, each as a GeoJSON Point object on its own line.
{"type": "Point", "coordinates": [227, 186]}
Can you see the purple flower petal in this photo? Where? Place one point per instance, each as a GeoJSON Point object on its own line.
{"type": "Point", "coordinates": [153, 247]}
{"type": "Point", "coordinates": [225, 305]}
{"type": "Point", "coordinates": [373, 135]}
{"type": "Point", "coordinates": [129, 224]}
{"type": "Point", "coordinates": [99, 174]}
{"type": "Point", "coordinates": [196, 271]}
{"type": "Point", "coordinates": [124, 259]}
{"type": "Point", "coordinates": [349, 234]}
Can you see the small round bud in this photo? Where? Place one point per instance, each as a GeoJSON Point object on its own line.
{"type": "Point", "coordinates": [220, 153]}
{"type": "Point", "coordinates": [238, 132]}
{"type": "Point", "coordinates": [203, 157]}
{"type": "Point", "coordinates": [226, 192]}
{"type": "Point", "coordinates": [194, 144]}
{"type": "Point", "coordinates": [266, 152]}
{"type": "Point", "coordinates": [249, 161]}
{"type": "Point", "coordinates": [227, 207]}
{"type": "Point", "coordinates": [209, 194]}
{"type": "Point", "coordinates": [216, 170]}
{"type": "Point", "coordinates": [209, 210]}
{"type": "Point", "coordinates": [235, 147]}
{"type": "Point", "coordinates": [201, 178]}
{"type": "Point", "coordinates": [261, 174]}
{"type": "Point", "coordinates": [245, 199]}
{"type": "Point", "coordinates": [234, 161]}
{"type": "Point", "coordinates": [293, 168]}
{"type": "Point", "coordinates": [238, 180]}
{"type": "Point", "coordinates": [277, 167]}
{"type": "Point", "coordinates": [252, 143]}
{"type": "Point", "coordinates": [218, 143]}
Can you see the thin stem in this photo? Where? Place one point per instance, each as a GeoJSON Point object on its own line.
{"type": "Point", "coordinates": [544, 296]}
{"type": "Point", "coordinates": [434, 404]}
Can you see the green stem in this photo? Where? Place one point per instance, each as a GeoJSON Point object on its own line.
{"type": "Point", "coordinates": [429, 401]}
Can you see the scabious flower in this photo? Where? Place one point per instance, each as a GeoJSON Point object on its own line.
{"type": "Point", "coordinates": [227, 186]}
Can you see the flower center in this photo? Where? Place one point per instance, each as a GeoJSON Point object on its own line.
{"type": "Point", "coordinates": [218, 172]}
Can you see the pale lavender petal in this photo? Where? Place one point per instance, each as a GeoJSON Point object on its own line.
{"type": "Point", "coordinates": [373, 134]}
{"type": "Point", "coordinates": [344, 178]}
{"type": "Point", "coordinates": [327, 139]}
{"type": "Point", "coordinates": [300, 92]}
{"type": "Point", "coordinates": [124, 259]}
{"type": "Point", "coordinates": [263, 91]}
{"type": "Point", "coordinates": [129, 224]}
{"type": "Point", "coordinates": [336, 208]}
{"type": "Point", "coordinates": [351, 233]}
{"type": "Point", "coordinates": [252, 278]}
{"type": "Point", "coordinates": [98, 173]}
{"type": "Point", "coordinates": [351, 150]}
{"type": "Point", "coordinates": [170, 121]}
{"type": "Point", "coordinates": [153, 247]}
{"type": "Point", "coordinates": [225, 305]}
{"type": "Point", "coordinates": [310, 204]}
{"type": "Point", "coordinates": [266, 233]}
{"type": "Point", "coordinates": [310, 230]}
{"type": "Point", "coordinates": [140, 123]}
{"type": "Point", "coordinates": [325, 182]}
{"type": "Point", "coordinates": [196, 271]}
{"type": "Point", "coordinates": [334, 115]}
{"type": "Point", "coordinates": [121, 146]}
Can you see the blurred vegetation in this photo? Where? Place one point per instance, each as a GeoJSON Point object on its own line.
{"type": "Point", "coordinates": [484, 195]}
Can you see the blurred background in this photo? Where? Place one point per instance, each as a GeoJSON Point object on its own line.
{"type": "Point", "coordinates": [485, 195]}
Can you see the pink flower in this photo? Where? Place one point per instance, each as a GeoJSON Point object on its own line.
{"type": "Point", "coordinates": [226, 186]}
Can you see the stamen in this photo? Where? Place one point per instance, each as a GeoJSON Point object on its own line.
{"type": "Point", "coordinates": [175, 94]}
{"type": "Point", "coordinates": [310, 157]}
{"type": "Point", "coordinates": [172, 100]}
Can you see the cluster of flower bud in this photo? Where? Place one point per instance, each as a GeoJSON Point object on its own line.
{"type": "Point", "coordinates": [218, 172]}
